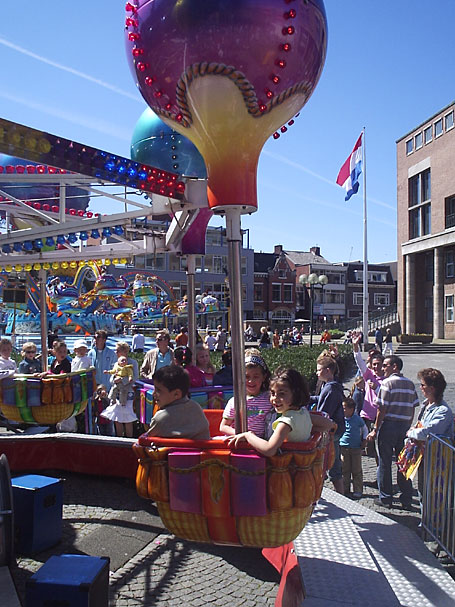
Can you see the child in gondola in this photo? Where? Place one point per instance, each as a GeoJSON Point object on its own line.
{"type": "Point", "coordinates": [289, 395]}
{"type": "Point", "coordinates": [258, 404]}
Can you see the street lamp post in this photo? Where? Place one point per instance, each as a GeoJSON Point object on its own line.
{"type": "Point", "coordinates": [312, 281]}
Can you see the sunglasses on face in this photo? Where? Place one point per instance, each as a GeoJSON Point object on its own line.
{"type": "Point", "coordinates": [30, 351]}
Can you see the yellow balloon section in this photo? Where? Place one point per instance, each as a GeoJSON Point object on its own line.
{"type": "Point", "coordinates": [57, 265]}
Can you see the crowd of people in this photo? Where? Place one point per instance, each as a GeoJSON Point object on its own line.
{"type": "Point", "coordinates": [374, 420]}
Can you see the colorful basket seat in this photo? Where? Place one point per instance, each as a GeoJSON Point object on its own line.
{"type": "Point", "coordinates": [207, 492]}
{"type": "Point", "coordinates": [48, 400]}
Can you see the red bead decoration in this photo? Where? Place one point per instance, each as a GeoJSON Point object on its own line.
{"type": "Point", "coordinates": [37, 205]}
{"type": "Point", "coordinates": [285, 47]}
{"type": "Point", "coordinates": [46, 207]}
{"type": "Point", "coordinates": [275, 79]}
{"type": "Point", "coordinates": [268, 93]}
{"type": "Point", "coordinates": [280, 63]}
{"type": "Point", "coordinates": [179, 117]}
{"type": "Point", "coordinates": [262, 107]}
{"type": "Point", "coordinates": [130, 8]}
{"type": "Point", "coordinates": [141, 66]}
{"type": "Point", "coordinates": [137, 51]}
{"type": "Point", "coordinates": [288, 31]}
{"type": "Point", "coordinates": [291, 122]}
{"type": "Point", "coordinates": [168, 106]}
{"type": "Point", "coordinates": [276, 135]}
{"type": "Point", "coordinates": [20, 169]}
{"type": "Point", "coordinates": [283, 129]}
{"type": "Point", "coordinates": [149, 81]}
{"type": "Point", "coordinates": [291, 14]}
{"type": "Point", "coordinates": [129, 22]}
{"type": "Point", "coordinates": [89, 214]}
{"type": "Point", "coordinates": [134, 36]}
{"type": "Point", "coordinates": [55, 208]}
{"type": "Point", "coordinates": [158, 94]}
{"type": "Point", "coordinates": [72, 212]}
{"type": "Point", "coordinates": [30, 168]}
{"type": "Point", "coordinates": [41, 169]}
{"type": "Point", "coordinates": [81, 213]}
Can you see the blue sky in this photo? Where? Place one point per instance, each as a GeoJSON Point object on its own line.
{"type": "Point", "coordinates": [389, 67]}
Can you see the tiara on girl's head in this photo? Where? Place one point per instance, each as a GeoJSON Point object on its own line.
{"type": "Point", "coordinates": [254, 359]}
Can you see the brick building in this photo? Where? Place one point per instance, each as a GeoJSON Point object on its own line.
{"type": "Point", "coordinates": [381, 288]}
{"type": "Point", "coordinates": [274, 291]}
{"type": "Point", "coordinates": [426, 226]}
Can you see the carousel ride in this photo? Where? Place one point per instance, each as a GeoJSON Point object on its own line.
{"type": "Point", "coordinates": [272, 58]}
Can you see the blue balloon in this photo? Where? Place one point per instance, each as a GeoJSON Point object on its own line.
{"type": "Point", "coordinates": [155, 143]}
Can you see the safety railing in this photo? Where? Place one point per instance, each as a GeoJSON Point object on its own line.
{"type": "Point", "coordinates": [438, 496]}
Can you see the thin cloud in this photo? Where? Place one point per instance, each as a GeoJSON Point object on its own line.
{"type": "Point", "coordinates": [70, 70]}
{"type": "Point", "coordinates": [300, 167]}
{"type": "Point", "coordinates": [351, 210]}
{"type": "Point", "coordinates": [95, 124]}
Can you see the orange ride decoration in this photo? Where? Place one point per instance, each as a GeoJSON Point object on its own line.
{"type": "Point", "coordinates": [48, 400]}
{"type": "Point", "coordinates": [206, 492]}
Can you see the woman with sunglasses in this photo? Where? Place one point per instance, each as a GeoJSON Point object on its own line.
{"type": "Point", "coordinates": [161, 356]}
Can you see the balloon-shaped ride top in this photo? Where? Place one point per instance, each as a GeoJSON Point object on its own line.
{"type": "Point", "coordinates": [226, 74]}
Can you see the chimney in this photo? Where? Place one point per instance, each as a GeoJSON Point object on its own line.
{"type": "Point", "coordinates": [316, 251]}
{"type": "Point", "coordinates": [278, 249]}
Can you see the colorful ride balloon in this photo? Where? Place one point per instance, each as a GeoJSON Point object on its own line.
{"type": "Point", "coordinates": [227, 74]}
{"type": "Point", "coordinates": [156, 143]}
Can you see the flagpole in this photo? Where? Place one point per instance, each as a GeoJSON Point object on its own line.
{"type": "Point", "coordinates": [365, 245]}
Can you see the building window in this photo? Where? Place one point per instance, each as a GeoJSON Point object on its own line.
{"type": "Point", "coordinates": [336, 278]}
{"type": "Point", "coordinates": [287, 293]}
{"type": "Point", "coordinates": [281, 316]}
{"type": "Point", "coordinates": [281, 273]}
{"type": "Point", "coordinates": [198, 263]}
{"type": "Point", "coordinates": [420, 221]}
{"type": "Point", "coordinates": [258, 292]}
{"type": "Point", "coordinates": [357, 299]}
{"type": "Point", "coordinates": [409, 146]}
{"type": "Point", "coordinates": [450, 212]}
{"type": "Point", "coordinates": [428, 134]}
{"type": "Point", "coordinates": [448, 120]}
{"type": "Point", "coordinates": [418, 141]}
{"type": "Point", "coordinates": [428, 309]}
{"type": "Point", "coordinates": [156, 262]}
{"type": "Point", "coordinates": [258, 314]}
{"type": "Point", "coordinates": [438, 128]}
{"type": "Point", "coordinates": [276, 292]}
{"type": "Point", "coordinates": [244, 266]}
{"type": "Point", "coordinates": [426, 219]}
{"type": "Point", "coordinates": [450, 264]}
{"type": "Point", "coordinates": [214, 238]}
{"type": "Point", "coordinates": [382, 299]}
{"type": "Point", "coordinates": [429, 267]}
{"type": "Point", "coordinates": [332, 297]}
{"type": "Point", "coordinates": [174, 263]}
{"type": "Point", "coordinates": [449, 308]}
{"type": "Point", "coordinates": [377, 276]}
{"type": "Point", "coordinates": [419, 188]}
{"type": "Point", "coordinates": [414, 223]}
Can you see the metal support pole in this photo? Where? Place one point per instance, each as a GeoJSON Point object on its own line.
{"type": "Point", "coordinates": [234, 239]}
{"type": "Point", "coordinates": [190, 282]}
{"type": "Point", "coordinates": [43, 317]}
{"type": "Point", "coordinates": [311, 314]}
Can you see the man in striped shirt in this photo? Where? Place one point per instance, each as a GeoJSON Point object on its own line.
{"type": "Point", "coordinates": [397, 399]}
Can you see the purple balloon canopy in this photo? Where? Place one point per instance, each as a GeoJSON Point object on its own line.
{"type": "Point", "coordinates": [276, 44]}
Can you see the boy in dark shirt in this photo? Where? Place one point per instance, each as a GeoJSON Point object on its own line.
{"type": "Point", "coordinates": [30, 364]}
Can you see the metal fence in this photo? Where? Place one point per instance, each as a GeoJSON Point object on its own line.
{"type": "Point", "coordinates": [438, 497]}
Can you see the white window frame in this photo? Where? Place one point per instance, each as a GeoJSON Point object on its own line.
{"type": "Point", "coordinates": [276, 284]}
{"type": "Point", "coordinates": [288, 284]}
{"type": "Point", "coordinates": [384, 296]}
{"type": "Point", "coordinates": [429, 129]}
{"type": "Point", "coordinates": [417, 146]}
{"type": "Point", "coordinates": [409, 146]}
{"type": "Point", "coordinates": [442, 128]}
{"type": "Point", "coordinates": [258, 284]}
{"type": "Point", "coordinates": [445, 121]}
{"type": "Point", "coordinates": [356, 296]}
{"type": "Point", "coordinates": [449, 308]}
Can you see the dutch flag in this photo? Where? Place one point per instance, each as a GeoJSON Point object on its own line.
{"type": "Point", "coordinates": [348, 177]}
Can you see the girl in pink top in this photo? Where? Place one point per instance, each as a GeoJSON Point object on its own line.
{"type": "Point", "coordinates": [373, 379]}
{"type": "Point", "coordinates": [183, 358]}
